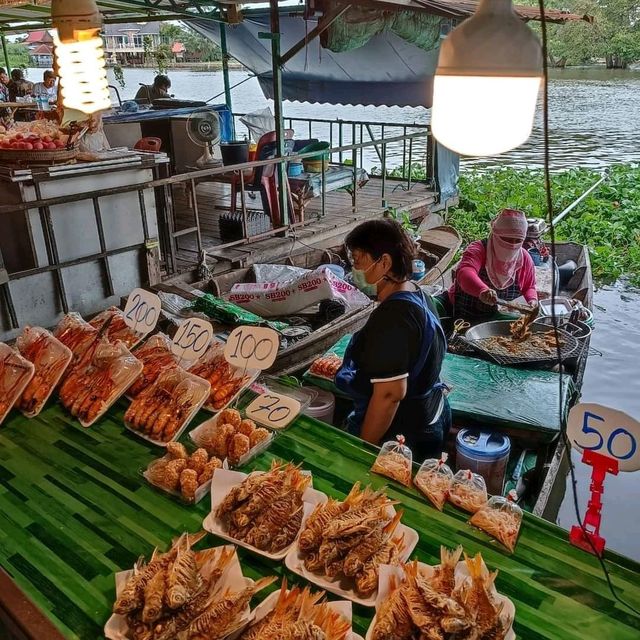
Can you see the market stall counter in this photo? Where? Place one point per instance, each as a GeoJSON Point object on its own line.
{"type": "Point", "coordinates": [75, 509]}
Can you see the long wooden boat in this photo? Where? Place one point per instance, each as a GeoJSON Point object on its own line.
{"type": "Point", "coordinates": [552, 464]}
{"type": "Point", "coordinates": [438, 247]}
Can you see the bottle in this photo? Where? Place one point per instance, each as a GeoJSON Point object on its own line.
{"type": "Point", "coordinates": [419, 270]}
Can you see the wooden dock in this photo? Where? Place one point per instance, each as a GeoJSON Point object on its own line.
{"type": "Point", "coordinates": [213, 205]}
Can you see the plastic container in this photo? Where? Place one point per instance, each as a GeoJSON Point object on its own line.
{"type": "Point", "coordinates": [294, 169]}
{"type": "Point", "coordinates": [234, 152]}
{"type": "Point", "coordinates": [486, 454]}
{"type": "Point", "coordinates": [336, 269]}
{"type": "Point", "coordinates": [419, 270]}
{"type": "Point", "coordinates": [314, 164]}
{"type": "Point", "coordinates": [322, 407]}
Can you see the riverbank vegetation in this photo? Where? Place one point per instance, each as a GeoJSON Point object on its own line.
{"type": "Point", "coordinates": [608, 220]}
{"type": "Point", "coordinates": [614, 35]}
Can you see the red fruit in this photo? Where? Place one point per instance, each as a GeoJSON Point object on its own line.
{"type": "Point", "coordinates": [38, 146]}
{"type": "Point", "coordinates": [27, 146]}
{"type": "Point", "coordinates": [46, 138]}
{"type": "Point", "coordinates": [59, 144]}
{"type": "Point", "coordinates": [18, 136]}
{"type": "Point", "coordinates": [51, 145]}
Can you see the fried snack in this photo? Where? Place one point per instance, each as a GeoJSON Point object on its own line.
{"type": "Point", "coordinates": [208, 470]}
{"type": "Point", "coordinates": [188, 484]}
{"type": "Point", "coordinates": [239, 447]}
{"type": "Point", "coordinates": [176, 450]}
{"type": "Point", "coordinates": [468, 491]}
{"type": "Point", "coordinates": [394, 461]}
{"type": "Point", "coordinates": [418, 607]}
{"type": "Point", "coordinates": [257, 436]}
{"type": "Point", "coordinates": [434, 480]}
{"type": "Point", "coordinates": [500, 518]}
{"type": "Point", "coordinates": [247, 427]}
{"type": "Point", "coordinates": [265, 510]}
{"type": "Point", "coordinates": [352, 538]}
{"type": "Point", "coordinates": [197, 460]}
{"type": "Point", "coordinates": [230, 416]}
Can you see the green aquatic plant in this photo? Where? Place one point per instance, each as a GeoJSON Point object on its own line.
{"type": "Point", "coordinates": [607, 221]}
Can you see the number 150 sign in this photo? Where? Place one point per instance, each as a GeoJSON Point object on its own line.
{"type": "Point", "coordinates": [611, 433]}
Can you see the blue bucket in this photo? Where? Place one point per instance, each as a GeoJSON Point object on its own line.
{"type": "Point", "coordinates": [295, 169]}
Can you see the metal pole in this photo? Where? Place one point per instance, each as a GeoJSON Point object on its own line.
{"type": "Point", "coordinates": [574, 204]}
{"type": "Point", "coordinates": [225, 72]}
{"type": "Point", "coordinates": [277, 104]}
{"type": "Point", "coordinates": [6, 53]}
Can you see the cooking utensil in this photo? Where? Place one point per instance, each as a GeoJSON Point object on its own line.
{"type": "Point", "coordinates": [458, 326]}
{"type": "Point", "coordinates": [481, 337]}
{"type": "Point", "coordinates": [517, 307]}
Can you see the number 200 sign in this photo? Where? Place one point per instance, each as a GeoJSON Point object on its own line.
{"type": "Point", "coordinates": [142, 311]}
{"type": "Point", "coordinates": [252, 347]}
{"type": "Point", "coordinates": [611, 433]}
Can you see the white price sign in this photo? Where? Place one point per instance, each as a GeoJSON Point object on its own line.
{"type": "Point", "coordinates": [273, 410]}
{"type": "Point", "coordinates": [252, 347]}
{"type": "Point", "coordinates": [606, 431]}
{"type": "Point", "coordinates": [192, 339]}
{"type": "Point", "coordinates": [142, 311]}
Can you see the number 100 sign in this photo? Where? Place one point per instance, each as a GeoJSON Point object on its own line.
{"type": "Point", "coordinates": [611, 433]}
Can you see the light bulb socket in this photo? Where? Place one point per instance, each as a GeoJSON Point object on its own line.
{"type": "Point", "coordinates": [493, 42]}
{"type": "Point", "coordinates": [72, 16]}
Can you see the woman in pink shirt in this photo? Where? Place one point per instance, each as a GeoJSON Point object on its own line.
{"type": "Point", "coordinates": [498, 267]}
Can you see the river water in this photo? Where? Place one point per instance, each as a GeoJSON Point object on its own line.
{"type": "Point", "coordinates": [595, 120]}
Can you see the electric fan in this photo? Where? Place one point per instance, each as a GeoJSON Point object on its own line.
{"type": "Point", "coordinates": [203, 128]}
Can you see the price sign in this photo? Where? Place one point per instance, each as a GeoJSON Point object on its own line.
{"type": "Point", "coordinates": [192, 339]}
{"type": "Point", "coordinates": [142, 311]}
{"type": "Point", "coordinates": [252, 347]}
{"type": "Point", "coordinates": [273, 410]}
{"type": "Point", "coordinates": [611, 433]}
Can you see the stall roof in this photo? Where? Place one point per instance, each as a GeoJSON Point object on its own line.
{"type": "Point", "coordinates": [22, 15]}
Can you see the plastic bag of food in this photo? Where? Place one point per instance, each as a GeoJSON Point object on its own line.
{"type": "Point", "coordinates": [434, 480]}
{"type": "Point", "coordinates": [117, 328]}
{"type": "Point", "coordinates": [15, 374]}
{"type": "Point", "coordinates": [50, 359]}
{"type": "Point", "coordinates": [394, 461]}
{"type": "Point", "coordinates": [76, 334]}
{"type": "Point", "coordinates": [326, 367]}
{"type": "Point", "coordinates": [155, 355]}
{"type": "Point", "coordinates": [468, 491]}
{"type": "Point", "coordinates": [501, 519]}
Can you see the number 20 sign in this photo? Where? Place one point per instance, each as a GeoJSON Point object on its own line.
{"type": "Point", "coordinates": [611, 433]}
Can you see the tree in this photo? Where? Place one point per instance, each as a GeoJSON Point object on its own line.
{"type": "Point", "coordinates": [18, 55]}
{"type": "Point", "coordinates": [195, 44]}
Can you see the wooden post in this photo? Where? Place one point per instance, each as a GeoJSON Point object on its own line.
{"type": "Point", "coordinates": [6, 53]}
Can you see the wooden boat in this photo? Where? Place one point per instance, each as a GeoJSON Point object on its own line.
{"type": "Point", "coordinates": [438, 247]}
{"type": "Point", "coordinates": [552, 465]}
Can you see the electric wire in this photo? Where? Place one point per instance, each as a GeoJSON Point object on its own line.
{"type": "Point", "coordinates": [554, 317]}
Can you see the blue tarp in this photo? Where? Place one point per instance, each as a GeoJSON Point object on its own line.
{"type": "Point", "coordinates": [226, 119]}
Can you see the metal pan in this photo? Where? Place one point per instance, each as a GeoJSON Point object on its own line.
{"type": "Point", "coordinates": [479, 337]}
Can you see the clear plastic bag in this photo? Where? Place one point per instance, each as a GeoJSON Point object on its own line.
{"type": "Point", "coordinates": [434, 480]}
{"type": "Point", "coordinates": [156, 356]}
{"type": "Point", "coordinates": [468, 491]}
{"type": "Point", "coordinates": [395, 461]}
{"type": "Point", "coordinates": [76, 334]}
{"type": "Point", "coordinates": [501, 519]}
{"type": "Point", "coordinates": [15, 374]}
{"type": "Point", "coordinates": [117, 328]}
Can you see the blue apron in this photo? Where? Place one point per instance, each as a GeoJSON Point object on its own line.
{"type": "Point", "coordinates": [346, 375]}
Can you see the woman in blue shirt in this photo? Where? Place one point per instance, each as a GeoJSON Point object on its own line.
{"type": "Point", "coordinates": [392, 365]}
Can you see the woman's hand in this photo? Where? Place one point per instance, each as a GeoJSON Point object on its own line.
{"type": "Point", "coordinates": [489, 297]}
{"type": "Point", "coordinates": [382, 409]}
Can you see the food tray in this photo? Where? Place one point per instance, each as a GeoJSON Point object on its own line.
{"type": "Point", "coordinates": [343, 607]}
{"type": "Point", "coordinates": [50, 361]}
{"type": "Point", "coordinates": [124, 369]}
{"type": "Point", "coordinates": [201, 393]}
{"type": "Point", "coordinates": [21, 371]}
{"type": "Point", "coordinates": [461, 574]}
{"type": "Point", "coordinates": [195, 436]}
{"type": "Point", "coordinates": [341, 586]}
{"type": "Point", "coordinates": [222, 483]}
{"type": "Point", "coordinates": [216, 351]}
{"type": "Point", "coordinates": [322, 376]}
{"type": "Point", "coordinates": [201, 491]}
{"type": "Point", "coordinates": [116, 627]}
{"type": "Point", "coordinates": [76, 334]}
{"type": "Point", "coordinates": [117, 329]}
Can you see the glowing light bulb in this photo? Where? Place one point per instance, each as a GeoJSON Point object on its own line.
{"type": "Point", "coordinates": [487, 81]}
{"type": "Point", "coordinates": [83, 76]}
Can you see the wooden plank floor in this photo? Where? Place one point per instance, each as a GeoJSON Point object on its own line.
{"type": "Point", "coordinates": [213, 202]}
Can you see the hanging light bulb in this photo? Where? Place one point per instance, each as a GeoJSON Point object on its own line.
{"type": "Point", "coordinates": [487, 81]}
{"type": "Point", "coordinates": [80, 55]}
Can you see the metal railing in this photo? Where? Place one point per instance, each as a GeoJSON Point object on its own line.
{"type": "Point", "coordinates": [169, 235]}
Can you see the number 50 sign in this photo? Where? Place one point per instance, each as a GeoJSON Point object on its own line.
{"type": "Point", "coordinates": [611, 433]}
